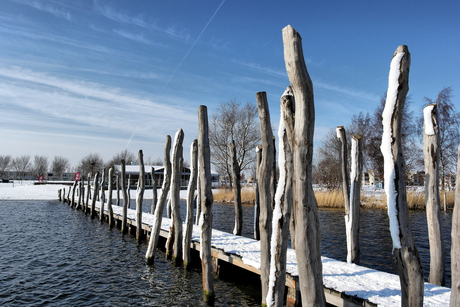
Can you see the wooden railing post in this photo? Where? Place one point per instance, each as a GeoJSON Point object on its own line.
{"type": "Point", "coordinates": [156, 227]}
{"type": "Point", "coordinates": [204, 158]}
{"type": "Point", "coordinates": [154, 190]}
{"type": "Point", "coordinates": [190, 198]}
{"type": "Point", "coordinates": [432, 200]}
{"type": "Point", "coordinates": [236, 190]}
{"type": "Point", "coordinates": [281, 213]}
{"type": "Point", "coordinates": [455, 248]}
{"type": "Point", "coordinates": [109, 199]}
{"type": "Point", "coordinates": [308, 234]}
{"type": "Point", "coordinates": [95, 190]}
{"type": "Point", "coordinates": [101, 209]}
{"type": "Point", "coordinates": [264, 178]}
{"type": "Point", "coordinates": [124, 220]}
{"type": "Point", "coordinates": [407, 259]}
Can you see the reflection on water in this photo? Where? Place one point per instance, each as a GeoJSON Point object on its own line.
{"type": "Point", "coordinates": [51, 255]}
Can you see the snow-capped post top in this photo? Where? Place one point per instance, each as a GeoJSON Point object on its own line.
{"type": "Point", "coordinates": [428, 119]}
{"type": "Point", "coordinates": [288, 92]}
{"type": "Point", "coordinates": [339, 131]}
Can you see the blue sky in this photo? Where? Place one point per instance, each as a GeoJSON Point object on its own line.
{"type": "Point", "coordinates": [101, 76]}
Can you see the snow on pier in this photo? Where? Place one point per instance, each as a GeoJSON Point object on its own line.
{"type": "Point", "coordinates": [343, 282]}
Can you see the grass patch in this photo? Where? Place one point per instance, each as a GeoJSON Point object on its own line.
{"type": "Point", "coordinates": [248, 195]}
{"type": "Point", "coordinates": [334, 199]}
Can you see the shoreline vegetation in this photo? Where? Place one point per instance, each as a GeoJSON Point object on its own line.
{"type": "Point", "coordinates": [334, 198]}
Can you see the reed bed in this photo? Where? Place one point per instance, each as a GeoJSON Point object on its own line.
{"type": "Point", "coordinates": [334, 198]}
{"type": "Point", "coordinates": [223, 195]}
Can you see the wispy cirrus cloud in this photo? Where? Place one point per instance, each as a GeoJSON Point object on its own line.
{"type": "Point", "coordinates": [51, 8]}
{"type": "Point", "coordinates": [86, 105]}
{"type": "Point", "coordinates": [140, 21]}
{"type": "Point", "coordinates": [322, 85]}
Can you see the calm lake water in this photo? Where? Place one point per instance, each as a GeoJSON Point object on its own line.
{"type": "Point", "coordinates": [52, 255]}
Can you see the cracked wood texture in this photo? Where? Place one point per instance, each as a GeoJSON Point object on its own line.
{"type": "Point", "coordinates": [407, 259]}
{"type": "Point", "coordinates": [307, 233]}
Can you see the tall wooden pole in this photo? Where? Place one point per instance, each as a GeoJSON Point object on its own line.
{"type": "Point", "coordinates": [190, 197]}
{"type": "Point", "coordinates": [156, 227]}
{"type": "Point", "coordinates": [238, 229]}
{"type": "Point", "coordinates": [204, 158]}
{"type": "Point", "coordinates": [140, 197]}
{"type": "Point", "coordinates": [264, 178]}
{"type": "Point", "coordinates": [288, 110]}
{"type": "Point", "coordinates": [154, 190]}
{"type": "Point", "coordinates": [74, 186]}
{"type": "Point", "coordinates": [257, 204]}
{"type": "Point", "coordinates": [342, 136]}
{"type": "Point", "coordinates": [88, 193]}
{"type": "Point", "coordinates": [455, 248]}
{"type": "Point", "coordinates": [101, 211]}
{"type": "Point", "coordinates": [175, 195]}
{"type": "Point", "coordinates": [95, 190]}
{"type": "Point", "coordinates": [198, 197]}
{"type": "Point", "coordinates": [308, 235]}
{"type": "Point", "coordinates": [353, 219]}
{"type": "Point", "coordinates": [109, 199]}
{"type": "Point", "coordinates": [124, 225]}
{"type": "Point", "coordinates": [432, 200]}
{"type": "Point", "coordinates": [80, 194]}
{"type": "Point", "coordinates": [407, 259]}
{"type": "Point", "coordinates": [281, 215]}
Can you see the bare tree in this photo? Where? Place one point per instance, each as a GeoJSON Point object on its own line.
{"type": "Point", "coordinates": [232, 121]}
{"type": "Point", "coordinates": [5, 164]}
{"type": "Point", "coordinates": [21, 165]}
{"type": "Point", "coordinates": [449, 133]}
{"type": "Point", "coordinates": [327, 170]}
{"type": "Point", "coordinates": [59, 165]}
{"type": "Point", "coordinates": [125, 154]}
{"type": "Point", "coordinates": [39, 166]}
{"type": "Point", "coordinates": [90, 163]}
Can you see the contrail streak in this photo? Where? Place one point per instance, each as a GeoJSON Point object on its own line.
{"type": "Point", "coordinates": [194, 43]}
{"type": "Point", "coordinates": [129, 141]}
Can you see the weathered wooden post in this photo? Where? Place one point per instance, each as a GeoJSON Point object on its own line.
{"type": "Point", "coordinates": [455, 237]}
{"type": "Point", "coordinates": [432, 201]}
{"type": "Point", "coordinates": [124, 220]}
{"type": "Point", "coordinates": [204, 158]}
{"type": "Point", "coordinates": [101, 209]}
{"type": "Point", "coordinates": [236, 190]}
{"type": "Point", "coordinates": [156, 227]}
{"type": "Point", "coordinates": [308, 235]}
{"type": "Point", "coordinates": [190, 198]}
{"type": "Point", "coordinates": [140, 197]}
{"type": "Point", "coordinates": [88, 193]}
{"type": "Point", "coordinates": [257, 204]}
{"type": "Point", "coordinates": [93, 200]}
{"type": "Point", "coordinates": [109, 199]}
{"type": "Point", "coordinates": [74, 186]}
{"type": "Point", "coordinates": [154, 190]}
{"type": "Point", "coordinates": [59, 194]}
{"type": "Point", "coordinates": [169, 207]}
{"type": "Point", "coordinates": [281, 214]}
{"type": "Point", "coordinates": [198, 197]}
{"type": "Point", "coordinates": [80, 194]}
{"type": "Point", "coordinates": [406, 255]}
{"type": "Point", "coordinates": [118, 189]}
{"type": "Point", "coordinates": [128, 189]}
{"type": "Point", "coordinates": [264, 179]}
{"type": "Point", "coordinates": [68, 197]}
{"type": "Point", "coordinates": [288, 110]}
{"type": "Point", "coordinates": [353, 219]}
{"type": "Point", "coordinates": [175, 197]}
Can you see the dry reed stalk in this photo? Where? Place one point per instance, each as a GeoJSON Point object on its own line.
{"type": "Point", "coordinates": [223, 195]}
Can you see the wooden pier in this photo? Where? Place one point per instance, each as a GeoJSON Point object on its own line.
{"type": "Point", "coordinates": [226, 249]}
